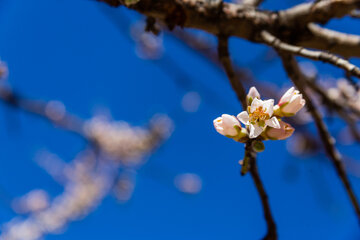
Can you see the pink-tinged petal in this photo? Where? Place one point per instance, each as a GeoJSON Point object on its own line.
{"type": "Point", "coordinates": [287, 96]}
{"type": "Point", "coordinates": [220, 130]}
{"type": "Point", "coordinates": [255, 130]}
{"type": "Point", "coordinates": [285, 131]}
{"type": "Point", "coordinates": [295, 105]}
{"type": "Point", "coordinates": [243, 117]}
{"type": "Point", "coordinates": [273, 122]}
{"type": "Point", "coordinates": [268, 106]}
{"type": "Point", "coordinates": [253, 93]}
{"type": "Point", "coordinates": [255, 104]}
{"type": "Point", "coordinates": [296, 99]}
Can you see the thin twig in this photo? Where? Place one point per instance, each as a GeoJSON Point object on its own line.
{"type": "Point", "coordinates": [223, 51]}
{"type": "Point", "coordinates": [38, 108]}
{"type": "Point", "coordinates": [273, 41]}
{"type": "Point", "coordinates": [250, 154]}
{"type": "Point", "coordinates": [271, 226]}
{"type": "Point", "coordinates": [296, 76]}
{"type": "Point", "coordinates": [340, 107]}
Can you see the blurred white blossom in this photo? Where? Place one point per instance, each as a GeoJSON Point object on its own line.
{"type": "Point", "coordinates": [188, 183]}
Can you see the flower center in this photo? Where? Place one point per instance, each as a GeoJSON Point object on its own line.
{"type": "Point", "coordinates": [258, 115]}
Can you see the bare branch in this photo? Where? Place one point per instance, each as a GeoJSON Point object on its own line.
{"type": "Point", "coordinates": [250, 154]}
{"type": "Point", "coordinates": [271, 226]}
{"type": "Point", "coordinates": [223, 51]}
{"type": "Point", "coordinates": [297, 77]}
{"type": "Point", "coordinates": [344, 44]}
{"type": "Point", "coordinates": [315, 55]}
{"type": "Point", "coordinates": [39, 108]}
{"type": "Point", "coordinates": [319, 12]}
{"type": "Point", "coordinates": [341, 107]}
{"type": "Point", "coordinates": [245, 22]}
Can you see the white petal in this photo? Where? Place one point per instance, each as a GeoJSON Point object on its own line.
{"type": "Point", "coordinates": [268, 106]}
{"type": "Point", "coordinates": [296, 98]}
{"type": "Point", "coordinates": [218, 125]}
{"type": "Point", "coordinates": [243, 117]}
{"type": "Point", "coordinates": [253, 92]}
{"type": "Point", "coordinates": [230, 120]}
{"type": "Point", "coordinates": [287, 96]}
{"type": "Point", "coordinates": [217, 120]}
{"type": "Point", "coordinates": [255, 104]}
{"type": "Point", "coordinates": [294, 106]}
{"type": "Point", "coordinates": [273, 122]}
{"type": "Point", "coordinates": [255, 130]}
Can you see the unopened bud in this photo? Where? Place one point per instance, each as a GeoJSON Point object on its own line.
{"type": "Point", "coordinates": [258, 146]}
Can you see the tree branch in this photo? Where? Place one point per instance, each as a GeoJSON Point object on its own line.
{"type": "Point", "coordinates": [344, 44]}
{"type": "Point", "coordinates": [39, 108]}
{"type": "Point", "coordinates": [297, 77]}
{"type": "Point", "coordinates": [224, 57]}
{"type": "Point", "coordinates": [319, 12]}
{"type": "Point", "coordinates": [341, 107]}
{"type": "Point", "coordinates": [246, 22]}
{"type": "Point", "coordinates": [250, 154]}
{"type": "Point", "coordinates": [271, 226]}
{"type": "Point", "coordinates": [315, 55]}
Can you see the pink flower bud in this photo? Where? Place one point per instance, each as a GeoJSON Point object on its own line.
{"type": "Point", "coordinates": [227, 125]}
{"type": "Point", "coordinates": [291, 102]}
{"type": "Point", "coordinates": [285, 131]}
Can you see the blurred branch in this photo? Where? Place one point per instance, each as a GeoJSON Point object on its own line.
{"type": "Point", "coordinates": [340, 107]}
{"type": "Point", "coordinates": [250, 155]}
{"type": "Point", "coordinates": [297, 77]}
{"type": "Point", "coordinates": [223, 51]}
{"type": "Point", "coordinates": [43, 110]}
{"type": "Point", "coordinates": [271, 226]}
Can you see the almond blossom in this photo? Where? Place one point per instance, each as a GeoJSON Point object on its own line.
{"type": "Point", "coordinates": [258, 116]}
{"type": "Point", "coordinates": [227, 125]}
{"type": "Point", "coordinates": [261, 117]}
{"type": "Point", "coordinates": [290, 103]}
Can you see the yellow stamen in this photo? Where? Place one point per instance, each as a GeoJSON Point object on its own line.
{"type": "Point", "coordinates": [258, 115]}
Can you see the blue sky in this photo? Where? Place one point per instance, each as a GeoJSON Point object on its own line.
{"type": "Point", "coordinates": [72, 52]}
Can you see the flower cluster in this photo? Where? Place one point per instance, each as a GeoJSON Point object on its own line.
{"type": "Point", "coordinates": [121, 141]}
{"type": "Point", "coordinates": [261, 118]}
{"type": "Point", "coordinates": [346, 93]}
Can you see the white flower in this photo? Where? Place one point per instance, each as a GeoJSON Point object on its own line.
{"type": "Point", "coordinates": [258, 116]}
{"type": "Point", "coordinates": [227, 125]}
{"type": "Point", "coordinates": [291, 102]}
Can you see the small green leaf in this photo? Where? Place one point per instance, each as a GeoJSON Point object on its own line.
{"type": "Point", "coordinates": [258, 146]}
